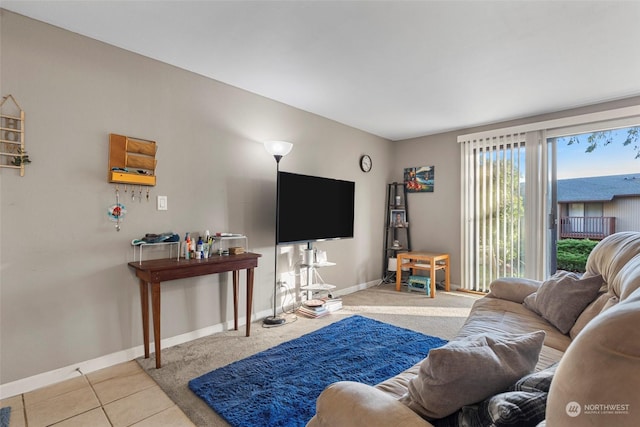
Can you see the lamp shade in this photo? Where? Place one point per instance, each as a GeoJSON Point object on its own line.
{"type": "Point", "coordinates": [278, 148]}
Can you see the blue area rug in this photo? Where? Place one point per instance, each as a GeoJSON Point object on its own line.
{"type": "Point", "coordinates": [5, 416]}
{"type": "Point", "coordinates": [279, 386]}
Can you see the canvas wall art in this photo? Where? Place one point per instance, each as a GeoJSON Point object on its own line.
{"type": "Point", "coordinates": [419, 179]}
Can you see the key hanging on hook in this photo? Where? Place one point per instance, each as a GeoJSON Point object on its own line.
{"type": "Point", "coordinates": [139, 193]}
{"type": "Point", "coordinates": [148, 194]}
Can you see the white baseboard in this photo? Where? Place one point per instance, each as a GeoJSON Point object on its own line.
{"type": "Point", "coordinates": [359, 287]}
{"type": "Point", "coordinates": [44, 379]}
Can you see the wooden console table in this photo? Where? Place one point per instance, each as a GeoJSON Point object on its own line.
{"type": "Point", "coordinates": [424, 261]}
{"type": "Point", "coordinates": [154, 272]}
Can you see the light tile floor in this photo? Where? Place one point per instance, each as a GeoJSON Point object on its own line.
{"type": "Point", "coordinates": [118, 396]}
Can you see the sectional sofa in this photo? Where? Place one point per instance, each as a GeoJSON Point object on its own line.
{"type": "Point", "coordinates": [582, 369]}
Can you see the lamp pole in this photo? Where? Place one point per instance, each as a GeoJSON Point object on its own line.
{"type": "Point", "coordinates": [278, 149]}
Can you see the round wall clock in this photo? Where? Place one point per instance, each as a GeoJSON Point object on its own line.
{"type": "Point", "coordinates": [365, 163]}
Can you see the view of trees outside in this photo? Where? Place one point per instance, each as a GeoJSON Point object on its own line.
{"type": "Point", "coordinates": [500, 214]}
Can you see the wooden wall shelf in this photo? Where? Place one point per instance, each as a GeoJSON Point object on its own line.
{"type": "Point", "coordinates": [12, 135]}
{"type": "Point", "coordinates": [132, 160]}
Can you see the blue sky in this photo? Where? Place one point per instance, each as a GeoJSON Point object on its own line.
{"type": "Point", "coordinates": [612, 159]}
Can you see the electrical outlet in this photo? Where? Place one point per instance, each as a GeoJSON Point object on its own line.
{"type": "Point", "coordinates": [162, 203]}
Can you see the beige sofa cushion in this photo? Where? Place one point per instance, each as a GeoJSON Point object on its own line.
{"type": "Point", "coordinates": [351, 404]}
{"type": "Point", "coordinates": [513, 289]}
{"type": "Point", "coordinates": [600, 304]}
{"type": "Point", "coordinates": [497, 315]}
{"type": "Point", "coordinates": [469, 370]}
{"type": "Point", "coordinates": [610, 256]}
{"type": "Point", "coordinates": [601, 367]}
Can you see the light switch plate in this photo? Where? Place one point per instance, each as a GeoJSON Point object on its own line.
{"type": "Point", "coordinates": [162, 203]}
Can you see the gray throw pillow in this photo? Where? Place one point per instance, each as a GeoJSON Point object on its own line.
{"type": "Point", "coordinates": [471, 369]}
{"type": "Point", "coordinates": [562, 298]}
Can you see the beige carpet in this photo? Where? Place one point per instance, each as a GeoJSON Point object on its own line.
{"type": "Point", "coordinates": [441, 316]}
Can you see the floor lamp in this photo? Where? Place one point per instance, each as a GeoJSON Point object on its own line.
{"type": "Point", "coordinates": [278, 149]}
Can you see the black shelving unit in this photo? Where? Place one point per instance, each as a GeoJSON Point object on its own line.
{"type": "Point", "coordinates": [396, 236]}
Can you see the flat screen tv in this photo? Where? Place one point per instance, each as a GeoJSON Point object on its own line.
{"type": "Point", "coordinates": [313, 208]}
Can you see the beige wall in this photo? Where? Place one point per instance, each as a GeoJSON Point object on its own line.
{"type": "Point", "coordinates": [66, 293]}
{"type": "Point", "coordinates": [434, 217]}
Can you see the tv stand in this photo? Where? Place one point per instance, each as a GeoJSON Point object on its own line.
{"type": "Point", "coordinates": [314, 281]}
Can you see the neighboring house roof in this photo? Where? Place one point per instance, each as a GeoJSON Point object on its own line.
{"type": "Point", "coordinates": [598, 188]}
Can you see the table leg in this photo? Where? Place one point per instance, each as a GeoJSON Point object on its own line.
{"type": "Point", "coordinates": [432, 275]}
{"type": "Point", "coordinates": [398, 273]}
{"type": "Point", "coordinates": [236, 279]}
{"type": "Point", "coordinates": [155, 307]}
{"type": "Point", "coordinates": [249, 298]}
{"type": "Point", "coordinates": [144, 305]}
{"type": "Point", "coordinates": [447, 275]}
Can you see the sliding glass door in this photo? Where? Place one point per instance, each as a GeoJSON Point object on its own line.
{"type": "Point", "coordinates": [506, 187]}
{"type": "Point", "coordinates": [509, 201]}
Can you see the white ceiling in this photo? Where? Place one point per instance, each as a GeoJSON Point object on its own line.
{"type": "Point", "coordinates": [397, 69]}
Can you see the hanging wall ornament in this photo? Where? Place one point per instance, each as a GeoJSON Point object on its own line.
{"type": "Point", "coordinates": [116, 213]}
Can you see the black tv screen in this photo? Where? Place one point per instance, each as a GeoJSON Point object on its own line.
{"type": "Point", "coordinates": [313, 208]}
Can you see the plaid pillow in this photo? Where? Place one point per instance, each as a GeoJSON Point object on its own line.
{"type": "Point", "coordinates": [523, 405]}
{"type": "Point", "coordinates": [537, 381]}
{"type": "Point", "coordinates": [513, 408]}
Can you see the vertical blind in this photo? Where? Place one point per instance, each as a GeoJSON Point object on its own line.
{"type": "Point", "coordinates": [501, 175]}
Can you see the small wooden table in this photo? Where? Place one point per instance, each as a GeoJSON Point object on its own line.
{"type": "Point", "coordinates": [424, 261]}
{"type": "Point", "coordinates": [157, 271]}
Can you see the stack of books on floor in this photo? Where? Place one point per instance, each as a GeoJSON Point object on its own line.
{"type": "Point", "coordinates": [332, 304]}
{"type": "Point", "coordinates": [313, 308]}
{"type": "Point", "coordinates": [316, 308]}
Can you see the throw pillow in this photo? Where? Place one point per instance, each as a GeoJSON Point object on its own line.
{"type": "Point", "coordinates": [514, 408]}
{"type": "Point", "coordinates": [524, 404]}
{"type": "Point", "coordinates": [562, 298]}
{"type": "Point", "coordinates": [537, 381]}
{"type": "Point", "coordinates": [469, 370]}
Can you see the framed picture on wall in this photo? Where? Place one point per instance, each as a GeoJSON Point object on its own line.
{"type": "Point", "coordinates": [398, 218]}
{"type": "Point", "coordinates": [419, 179]}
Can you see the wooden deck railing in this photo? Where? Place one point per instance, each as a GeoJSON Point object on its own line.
{"type": "Point", "coordinates": [581, 227]}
